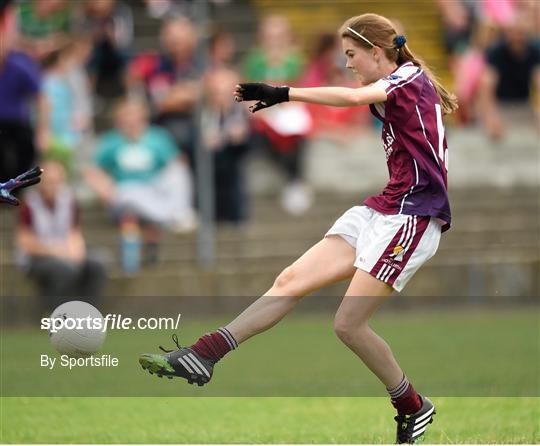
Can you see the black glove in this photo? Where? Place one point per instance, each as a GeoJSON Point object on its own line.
{"type": "Point", "coordinates": [266, 95]}
{"type": "Point", "coordinates": [25, 179]}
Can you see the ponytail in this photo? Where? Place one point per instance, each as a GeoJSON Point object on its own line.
{"type": "Point", "coordinates": [376, 30]}
{"type": "Point", "coordinates": [449, 102]}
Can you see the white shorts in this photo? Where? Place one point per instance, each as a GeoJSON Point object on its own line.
{"type": "Point", "coordinates": [389, 247]}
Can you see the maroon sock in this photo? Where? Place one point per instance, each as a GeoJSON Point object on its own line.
{"type": "Point", "coordinates": [404, 398]}
{"type": "Point", "coordinates": [215, 345]}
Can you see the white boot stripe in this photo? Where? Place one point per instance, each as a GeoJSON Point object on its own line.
{"type": "Point", "coordinates": [188, 359]}
{"type": "Point", "coordinates": [181, 361]}
{"type": "Point", "coordinates": [421, 431]}
{"type": "Point", "coordinates": [203, 368]}
{"type": "Point", "coordinates": [422, 424]}
{"type": "Point", "coordinates": [427, 414]}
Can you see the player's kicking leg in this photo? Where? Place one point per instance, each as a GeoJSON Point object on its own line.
{"type": "Point", "coordinates": [327, 262]}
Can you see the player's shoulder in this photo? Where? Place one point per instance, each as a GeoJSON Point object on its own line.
{"type": "Point", "coordinates": [404, 73]}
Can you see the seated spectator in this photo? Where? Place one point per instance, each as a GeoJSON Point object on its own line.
{"type": "Point", "coordinates": [50, 243]}
{"type": "Point", "coordinates": [171, 81]}
{"type": "Point", "coordinates": [109, 23]}
{"type": "Point", "coordinates": [44, 26]}
{"type": "Point", "coordinates": [281, 129]}
{"type": "Point", "coordinates": [20, 88]}
{"type": "Point", "coordinates": [226, 134]}
{"type": "Point", "coordinates": [513, 70]}
{"type": "Point", "coordinates": [139, 174]}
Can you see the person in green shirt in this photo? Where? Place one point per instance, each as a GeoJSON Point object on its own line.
{"type": "Point", "coordinates": [282, 131]}
{"type": "Point", "coordinates": [43, 25]}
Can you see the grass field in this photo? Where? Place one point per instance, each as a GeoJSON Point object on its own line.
{"type": "Point", "coordinates": [259, 420]}
{"type": "Point", "coordinates": [481, 368]}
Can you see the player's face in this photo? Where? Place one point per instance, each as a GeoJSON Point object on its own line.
{"type": "Point", "coordinates": [361, 61]}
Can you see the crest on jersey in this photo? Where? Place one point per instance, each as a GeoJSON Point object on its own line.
{"type": "Point", "coordinates": [394, 77]}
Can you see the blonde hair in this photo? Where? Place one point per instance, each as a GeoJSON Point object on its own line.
{"type": "Point", "coordinates": [381, 33]}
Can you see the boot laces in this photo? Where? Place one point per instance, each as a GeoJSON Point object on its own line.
{"type": "Point", "coordinates": [175, 340]}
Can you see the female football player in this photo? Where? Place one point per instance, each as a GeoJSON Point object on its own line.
{"type": "Point", "coordinates": [378, 245]}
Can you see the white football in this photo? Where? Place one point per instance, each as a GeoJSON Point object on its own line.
{"type": "Point", "coordinates": [74, 331]}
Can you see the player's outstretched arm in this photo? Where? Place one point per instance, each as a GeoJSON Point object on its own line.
{"type": "Point", "coordinates": [28, 178]}
{"type": "Point", "coordinates": [339, 96]}
{"type": "Point", "coordinates": [267, 95]}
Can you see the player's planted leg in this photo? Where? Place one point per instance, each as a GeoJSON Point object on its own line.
{"type": "Point", "coordinates": [411, 427]}
{"type": "Point", "coordinates": [364, 296]}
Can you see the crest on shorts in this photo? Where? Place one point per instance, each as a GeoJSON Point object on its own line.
{"type": "Point", "coordinates": [397, 253]}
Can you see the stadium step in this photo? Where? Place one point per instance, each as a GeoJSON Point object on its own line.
{"type": "Point", "coordinates": [495, 236]}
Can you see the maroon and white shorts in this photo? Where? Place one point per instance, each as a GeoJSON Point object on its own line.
{"type": "Point", "coordinates": [389, 247]}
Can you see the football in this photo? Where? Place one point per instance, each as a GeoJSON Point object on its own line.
{"type": "Point", "coordinates": [78, 329]}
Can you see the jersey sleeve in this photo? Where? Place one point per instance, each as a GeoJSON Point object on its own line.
{"type": "Point", "coordinates": [403, 89]}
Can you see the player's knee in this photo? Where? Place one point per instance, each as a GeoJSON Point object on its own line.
{"type": "Point", "coordinates": [347, 330]}
{"type": "Point", "coordinates": [343, 329]}
{"type": "Point", "coordinates": [286, 283]}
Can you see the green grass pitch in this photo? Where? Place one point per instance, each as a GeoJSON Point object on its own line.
{"type": "Point", "coordinates": [480, 368]}
{"type": "Point", "coordinates": [259, 420]}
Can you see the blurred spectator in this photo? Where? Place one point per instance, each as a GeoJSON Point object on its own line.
{"type": "Point", "coordinates": [281, 129]}
{"type": "Point", "coordinates": [458, 19]}
{"type": "Point", "coordinates": [77, 54]}
{"type": "Point", "coordinates": [222, 49]}
{"type": "Point", "coordinates": [7, 17]}
{"type": "Point", "coordinates": [469, 69]}
{"type": "Point", "coordinates": [139, 175]}
{"type": "Point", "coordinates": [226, 125]}
{"type": "Point", "coordinates": [44, 26]}
{"type": "Point", "coordinates": [109, 23]}
{"type": "Point", "coordinates": [513, 70]}
{"type": "Point", "coordinates": [171, 81]}
{"type": "Point", "coordinates": [51, 245]}
{"type": "Point", "coordinates": [20, 88]}
{"type": "Point", "coordinates": [60, 98]}
{"type": "Point", "coordinates": [326, 67]}
{"type": "Point", "coordinates": [163, 9]}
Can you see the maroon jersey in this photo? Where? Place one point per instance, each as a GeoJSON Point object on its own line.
{"type": "Point", "coordinates": [415, 146]}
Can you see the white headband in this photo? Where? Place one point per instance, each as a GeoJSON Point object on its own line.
{"type": "Point", "coordinates": [359, 35]}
